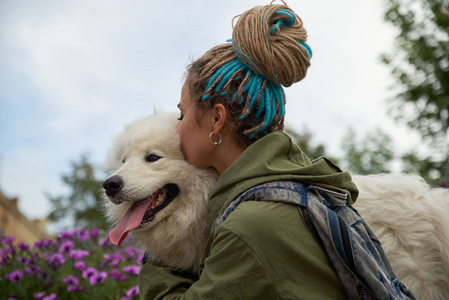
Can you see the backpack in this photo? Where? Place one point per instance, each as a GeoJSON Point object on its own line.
{"type": "Point", "coordinates": [354, 250]}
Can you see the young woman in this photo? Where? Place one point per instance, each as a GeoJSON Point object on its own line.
{"type": "Point", "coordinates": [232, 113]}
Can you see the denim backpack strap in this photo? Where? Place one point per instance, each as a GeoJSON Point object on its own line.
{"type": "Point", "coordinates": [276, 191]}
{"type": "Point", "coordinates": [353, 248]}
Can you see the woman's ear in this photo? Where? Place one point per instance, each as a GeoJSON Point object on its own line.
{"type": "Point", "coordinates": [220, 114]}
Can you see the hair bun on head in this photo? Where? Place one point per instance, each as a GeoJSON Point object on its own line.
{"type": "Point", "coordinates": [271, 41]}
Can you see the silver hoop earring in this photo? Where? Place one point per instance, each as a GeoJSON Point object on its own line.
{"type": "Point", "coordinates": [215, 143]}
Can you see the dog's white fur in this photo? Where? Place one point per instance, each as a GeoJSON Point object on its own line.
{"type": "Point", "coordinates": [177, 235]}
{"type": "Point", "coordinates": [409, 218]}
{"type": "Point", "coordinates": [412, 222]}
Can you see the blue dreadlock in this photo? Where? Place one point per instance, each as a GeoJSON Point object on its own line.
{"type": "Point", "coordinates": [261, 94]}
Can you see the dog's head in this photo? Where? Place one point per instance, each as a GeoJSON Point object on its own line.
{"type": "Point", "coordinates": [152, 191]}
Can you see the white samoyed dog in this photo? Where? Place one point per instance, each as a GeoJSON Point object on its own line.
{"type": "Point", "coordinates": [161, 200]}
{"type": "Point", "coordinates": [156, 195]}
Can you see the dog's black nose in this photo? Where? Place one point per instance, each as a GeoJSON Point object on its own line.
{"type": "Point", "coordinates": [113, 185]}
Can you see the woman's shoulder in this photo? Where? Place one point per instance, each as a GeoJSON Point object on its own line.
{"type": "Point", "coordinates": [276, 234]}
{"type": "Point", "coordinates": [257, 221]}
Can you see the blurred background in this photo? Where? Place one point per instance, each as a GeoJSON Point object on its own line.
{"type": "Point", "coordinates": [73, 73]}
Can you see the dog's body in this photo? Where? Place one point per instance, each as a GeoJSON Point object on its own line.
{"type": "Point", "coordinates": [410, 219]}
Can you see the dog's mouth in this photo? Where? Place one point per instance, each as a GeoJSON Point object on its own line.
{"type": "Point", "coordinates": [162, 198]}
{"type": "Point", "coordinates": [142, 213]}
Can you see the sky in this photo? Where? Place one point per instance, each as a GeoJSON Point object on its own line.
{"type": "Point", "coordinates": [73, 73]}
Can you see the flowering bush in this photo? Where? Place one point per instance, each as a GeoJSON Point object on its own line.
{"type": "Point", "coordinates": [75, 265]}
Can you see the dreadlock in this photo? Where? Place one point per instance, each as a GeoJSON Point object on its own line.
{"type": "Point", "coordinates": [268, 50]}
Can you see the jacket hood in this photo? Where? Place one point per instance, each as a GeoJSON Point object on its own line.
{"type": "Point", "coordinates": [274, 158]}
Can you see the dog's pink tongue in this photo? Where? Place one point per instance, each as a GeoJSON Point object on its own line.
{"type": "Point", "coordinates": [132, 218]}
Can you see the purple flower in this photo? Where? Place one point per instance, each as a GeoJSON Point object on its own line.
{"type": "Point", "coordinates": [114, 273]}
{"type": "Point", "coordinates": [117, 275]}
{"type": "Point", "coordinates": [35, 269]}
{"type": "Point", "coordinates": [14, 276]}
{"type": "Point", "coordinates": [98, 278]}
{"type": "Point", "coordinates": [140, 258]}
{"type": "Point", "coordinates": [52, 296]}
{"type": "Point", "coordinates": [4, 255]}
{"type": "Point", "coordinates": [7, 240]}
{"type": "Point", "coordinates": [81, 233]}
{"type": "Point", "coordinates": [66, 246]}
{"type": "Point", "coordinates": [132, 269]}
{"type": "Point", "coordinates": [71, 280]}
{"type": "Point", "coordinates": [32, 270]}
{"type": "Point", "coordinates": [7, 251]}
{"type": "Point", "coordinates": [25, 261]}
{"type": "Point", "coordinates": [84, 235]}
{"type": "Point", "coordinates": [40, 295]}
{"type": "Point", "coordinates": [94, 233]}
{"type": "Point", "coordinates": [104, 241]}
{"type": "Point", "coordinates": [66, 235]}
{"type": "Point", "coordinates": [133, 291]}
{"type": "Point", "coordinates": [114, 259]}
{"type": "Point", "coordinates": [56, 259]}
{"type": "Point", "coordinates": [72, 283]}
{"type": "Point", "coordinates": [131, 251]}
{"type": "Point", "coordinates": [80, 265]}
{"type": "Point", "coordinates": [78, 254]}
{"type": "Point", "coordinates": [73, 288]}
{"type": "Point", "coordinates": [23, 246]}
{"type": "Point", "coordinates": [89, 272]}
{"type": "Point", "coordinates": [44, 244]}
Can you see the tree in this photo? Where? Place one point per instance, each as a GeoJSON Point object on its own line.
{"type": "Point", "coordinates": [370, 155]}
{"type": "Point", "coordinates": [435, 173]}
{"type": "Point", "coordinates": [82, 207]}
{"type": "Point", "coordinates": [420, 64]}
{"type": "Point", "coordinates": [304, 141]}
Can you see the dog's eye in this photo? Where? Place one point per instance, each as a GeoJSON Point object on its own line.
{"type": "Point", "coordinates": [152, 158]}
{"type": "Point", "coordinates": [123, 160]}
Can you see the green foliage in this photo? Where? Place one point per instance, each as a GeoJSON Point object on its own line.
{"type": "Point", "coordinates": [435, 173]}
{"type": "Point", "coordinates": [420, 64]}
{"type": "Point", "coordinates": [370, 155]}
{"type": "Point", "coordinates": [82, 207]}
{"type": "Point", "coordinates": [304, 141]}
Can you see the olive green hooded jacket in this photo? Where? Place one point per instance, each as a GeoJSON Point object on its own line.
{"type": "Point", "coordinates": [263, 250]}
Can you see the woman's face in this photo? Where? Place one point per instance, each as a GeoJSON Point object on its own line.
{"type": "Point", "coordinates": [194, 130]}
